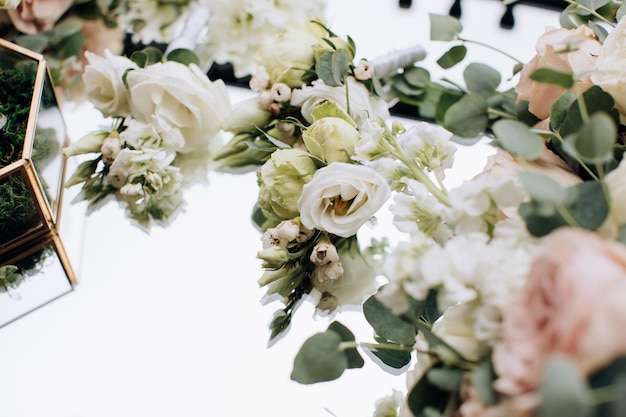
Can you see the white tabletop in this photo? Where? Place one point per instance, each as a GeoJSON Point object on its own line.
{"type": "Point", "coordinates": [170, 324]}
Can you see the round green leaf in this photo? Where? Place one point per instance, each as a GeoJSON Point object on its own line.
{"type": "Point", "coordinates": [543, 189]}
{"type": "Point", "coordinates": [594, 141]}
{"type": "Point", "coordinates": [516, 138]}
{"type": "Point", "coordinates": [444, 28]}
{"type": "Point", "coordinates": [319, 359]}
{"type": "Point", "coordinates": [467, 117]}
{"type": "Point", "coordinates": [452, 57]}
{"type": "Point", "coordinates": [481, 79]}
{"type": "Point", "coordinates": [551, 76]}
{"type": "Point", "coordinates": [564, 390]}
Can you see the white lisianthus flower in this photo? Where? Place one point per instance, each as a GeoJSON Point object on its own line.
{"type": "Point", "coordinates": [610, 71]}
{"type": "Point", "coordinates": [281, 235]}
{"type": "Point", "coordinates": [456, 328]}
{"type": "Point", "coordinates": [150, 21]}
{"type": "Point", "coordinates": [324, 253]}
{"type": "Point", "coordinates": [363, 105]}
{"type": "Point", "coordinates": [103, 83]}
{"type": "Point", "coordinates": [331, 139]}
{"type": "Point", "coordinates": [183, 97]}
{"type": "Point", "coordinates": [429, 145]}
{"type": "Point", "coordinates": [247, 115]}
{"type": "Point", "coordinates": [9, 4]}
{"type": "Point", "coordinates": [341, 198]}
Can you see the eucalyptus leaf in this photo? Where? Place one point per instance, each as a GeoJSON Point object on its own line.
{"type": "Point", "coordinates": [320, 359]}
{"type": "Point", "coordinates": [537, 224]}
{"type": "Point", "coordinates": [517, 139]}
{"type": "Point", "coordinates": [587, 203]}
{"type": "Point", "coordinates": [564, 391]}
{"type": "Point", "coordinates": [481, 79]}
{"type": "Point", "coordinates": [183, 56]}
{"type": "Point", "coordinates": [354, 359]}
{"type": "Point", "coordinates": [483, 376]}
{"type": "Point", "coordinates": [444, 28]}
{"type": "Point", "coordinates": [396, 359]}
{"type": "Point", "coordinates": [416, 77]}
{"type": "Point", "coordinates": [426, 395]}
{"type": "Point", "coordinates": [69, 46]}
{"type": "Point", "coordinates": [621, 12]}
{"type": "Point", "coordinates": [594, 141]}
{"type": "Point", "coordinates": [559, 110]}
{"type": "Point", "coordinates": [592, 4]}
{"type": "Point", "coordinates": [446, 379]}
{"type": "Point", "coordinates": [332, 67]}
{"type": "Point", "coordinates": [467, 117]}
{"type": "Point", "coordinates": [595, 100]}
{"type": "Point", "coordinates": [552, 76]}
{"type": "Point", "coordinates": [545, 192]}
{"type": "Point", "coordinates": [452, 57]}
{"type": "Point", "coordinates": [387, 324]}
{"type": "Point", "coordinates": [36, 43]}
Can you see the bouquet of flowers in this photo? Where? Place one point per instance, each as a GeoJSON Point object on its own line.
{"type": "Point", "coordinates": [505, 298]}
{"type": "Point", "coordinates": [166, 117]}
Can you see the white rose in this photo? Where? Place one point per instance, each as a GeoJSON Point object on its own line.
{"type": "Point", "coordinates": [363, 105]}
{"type": "Point", "coordinates": [610, 71]}
{"type": "Point", "coordinates": [289, 53]}
{"type": "Point", "coordinates": [183, 97]}
{"type": "Point", "coordinates": [247, 115]}
{"type": "Point", "coordinates": [358, 281]}
{"type": "Point", "coordinates": [156, 135]}
{"type": "Point", "coordinates": [341, 198]}
{"type": "Point", "coordinates": [103, 83]}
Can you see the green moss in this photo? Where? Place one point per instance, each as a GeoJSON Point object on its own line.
{"type": "Point", "coordinates": [18, 212]}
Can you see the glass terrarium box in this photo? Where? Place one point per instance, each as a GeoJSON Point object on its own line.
{"type": "Point", "coordinates": [32, 276]}
{"type": "Point", "coordinates": [32, 137]}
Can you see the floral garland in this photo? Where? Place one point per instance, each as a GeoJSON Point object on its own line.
{"type": "Point", "coordinates": [505, 298]}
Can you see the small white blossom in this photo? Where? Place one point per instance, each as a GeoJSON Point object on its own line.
{"type": "Point", "coordinates": [324, 253]}
{"type": "Point", "coordinates": [110, 148]}
{"type": "Point", "coordinates": [388, 406]}
{"type": "Point", "coordinates": [364, 70]}
{"type": "Point", "coordinates": [280, 92]}
{"type": "Point", "coordinates": [260, 80]}
{"type": "Point", "coordinates": [430, 146]}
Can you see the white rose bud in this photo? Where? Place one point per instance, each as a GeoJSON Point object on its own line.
{"type": "Point", "coordinates": [280, 92]}
{"type": "Point", "coordinates": [327, 274]}
{"type": "Point", "coordinates": [324, 253]}
{"type": "Point", "coordinates": [260, 80]}
{"type": "Point", "coordinates": [110, 148]}
{"type": "Point", "coordinates": [364, 70]}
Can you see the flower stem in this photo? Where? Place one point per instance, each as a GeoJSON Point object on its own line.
{"type": "Point", "coordinates": [492, 48]}
{"type": "Point", "coordinates": [590, 11]}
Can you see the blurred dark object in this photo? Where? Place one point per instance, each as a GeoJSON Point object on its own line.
{"type": "Point", "coordinates": [227, 73]}
{"type": "Point", "coordinates": [405, 4]}
{"type": "Point", "coordinates": [508, 18]}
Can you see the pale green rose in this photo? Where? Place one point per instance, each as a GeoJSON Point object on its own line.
{"type": "Point", "coordinates": [331, 139]}
{"type": "Point", "coordinates": [281, 180]}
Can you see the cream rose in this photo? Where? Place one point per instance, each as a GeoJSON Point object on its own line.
{"type": "Point", "coordinates": [341, 198]}
{"type": "Point", "coordinates": [183, 97]}
{"type": "Point", "coordinates": [616, 184]}
{"type": "Point", "coordinates": [36, 16]}
{"type": "Point", "coordinates": [571, 305]}
{"type": "Point", "coordinates": [550, 47]}
{"type": "Point", "coordinates": [363, 106]}
{"type": "Point", "coordinates": [286, 55]}
{"type": "Point", "coordinates": [611, 67]}
{"type": "Point", "coordinates": [331, 139]}
{"type": "Point", "coordinates": [103, 83]}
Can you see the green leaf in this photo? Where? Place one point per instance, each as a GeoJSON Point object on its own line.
{"type": "Point", "coordinates": [595, 100]}
{"type": "Point", "coordinates": [446, 379]}
{"type": "Point", "coordinates": [183, 56]}
{"type": "Point", "coordinates": [354, 359]}
{"type": "Point", "coordinates": [537, 224]}
{"type": "Point", "coordinates": [147, 56]}
{"type": "Point", "coordinates": [559, 110]}
{"type": "Point", "coordinates": [36, 43]}
{"type": "Point", "coordinates": [587, 204]}
{"type": "Point", "coordinates": [564, 391]}
{"type": "Point", "coordinates": [481, 79]}
{"type": "Point", "coordinates": [516, 138]}
{"type": "Point", "coordinates": [387, 324]}
{"type": "Point", "coordinates": [482, 378]}
{"type": "Point", "coordinates": [332, 67]}
{"type": "Point", "coordinates": [594, 142]}
{"type": "Point", "coordinates": [416, 77]}
{"type": "Point", "coordinates": [83, 172]}
{"type": "Point", "coordinates": [426, 395]}
{"type": "Point", "coordinates": [546, 193]}
{"type": "Point", "coordinates": [621, 12]}
{"type": "Point", "coordinates": [69, 46]}
{"type": "Point", "coordinates": [321, 359]}
{"type": "Point", "coordinates": [444, 28]}
{"type": "Point", "coordinates": [592, 4]}
{"type": "Point", "coordinates": [393, 358]}
{"type": "Point", "coordinates": [467, 117]}
{"type": "Point", "coordinates": [331, 109]}
{"type": "Point", "coordinates": [452, 57]}
{"type": "Point", "coordinates": [551, 76]}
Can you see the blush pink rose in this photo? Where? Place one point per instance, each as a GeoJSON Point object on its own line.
{"type": "Point", "coordinates": [35, 16]}
{"type": "Point", "coordinates": [549, 49]}
{"type": "Point", "coordinates": [572, 305]}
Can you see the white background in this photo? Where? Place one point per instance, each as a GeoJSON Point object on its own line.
{"type": "Point", "coordinates": [169, 324]}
